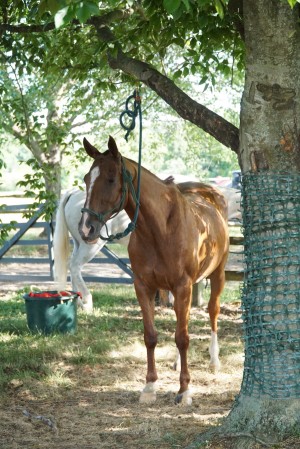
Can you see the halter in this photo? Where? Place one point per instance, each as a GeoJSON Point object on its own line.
{"type": "Point", "coordinates": [126, 185]}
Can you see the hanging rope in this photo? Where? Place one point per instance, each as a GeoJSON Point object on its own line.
{"type": "Point", "coordinates": [127, 179]}
{"type": "Point", "coordinates": [131, 113]}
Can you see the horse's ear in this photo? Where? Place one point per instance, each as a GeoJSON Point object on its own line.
{"type": "Point", "coordinates": [91, 151]}
{"type": "Point", "coordinates": [112, 146]}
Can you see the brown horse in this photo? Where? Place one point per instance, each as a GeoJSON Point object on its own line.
{"type": "Point", "coordinates": [181, 237]}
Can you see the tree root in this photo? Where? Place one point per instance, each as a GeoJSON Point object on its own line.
{"type": "Point", "coordinates": [217, 436]}
{"type": "Point", "coordinates": [248, 435]}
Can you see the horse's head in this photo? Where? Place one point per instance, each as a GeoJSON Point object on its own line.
{"type": "Point", "coordinates": [105, 195]}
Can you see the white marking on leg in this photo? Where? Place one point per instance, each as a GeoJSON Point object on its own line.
{"type": "Point", "coordinates": [148, 394]}
{"type": "Point", "coordinates": [214, 352]}
{"type": "Point", "coordinates": [78, 283]}
{"type": "Point", "coordinates": [87, 303]}
{"type": "Point", "coordinates": [170, 298]}
{"type": "Point", "coordinates": [176, 363]}
{"type": "Point", "coordinates": [187, 398]}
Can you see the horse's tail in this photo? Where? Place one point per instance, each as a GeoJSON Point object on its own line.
{"type": "Point", "coordinates": [61, 244]}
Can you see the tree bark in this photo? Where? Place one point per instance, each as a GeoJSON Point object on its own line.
{"type": "Point", "coordinates": [268, 407]}
{"type": "Point", "coordinates": [270, 108]}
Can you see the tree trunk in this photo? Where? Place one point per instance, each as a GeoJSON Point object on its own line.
{"type": "Point", "coordinates": [268, 407]}
{"type": "Point", "coordinates": [52, 176]}
{"type": "Point", "coordinates": [269, 134]}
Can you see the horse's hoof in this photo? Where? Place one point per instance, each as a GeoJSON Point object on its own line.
{"type": "Point", "coordinates": [214, 367]}
{"type": "Point", "coordinates": [147, 398]}
{"type": "Point", "coordinates": [87, 308]}
{"type": "Point", "coordinates": [79, 303]}
{"type": "Point", "coordinates": [184, 398]}
{"type": "Point", "coordinates": [148, 394]}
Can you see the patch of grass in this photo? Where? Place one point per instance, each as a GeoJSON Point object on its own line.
{"type": "Point", "coordinates": [118, 248]}
{"type": "Point", "coordinates": [24, 354]}
{"type": "Point", "coordinates": [174, 440]}
{"type": "Point", "coordinates": [117, 320]}
{"type": "Point", "coordinates": [230, 294]}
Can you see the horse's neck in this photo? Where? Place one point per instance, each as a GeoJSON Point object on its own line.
{"type": "Point", "coordinates": [154, 205]}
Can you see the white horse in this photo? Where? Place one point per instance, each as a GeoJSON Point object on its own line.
{"type": "Point", "coordinates": [67, 219]}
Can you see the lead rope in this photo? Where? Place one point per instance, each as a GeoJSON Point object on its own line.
{"type": "Point", "coordinates": [127, 178]}
{"type": "Point", "coordinates": [137, 112]}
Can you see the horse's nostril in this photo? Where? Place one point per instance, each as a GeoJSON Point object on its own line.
{"type": "Point", "coordinates": [92, 230]}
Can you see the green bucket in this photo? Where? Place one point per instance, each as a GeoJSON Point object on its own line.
{"type": "Point", "coordinates": [51, 311]}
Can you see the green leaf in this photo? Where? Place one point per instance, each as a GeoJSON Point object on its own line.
{"type": "Point", "coordinates": [82, 13]}
{"type": "Point", "coordinates": [203, 79]}
{"type": "Point", "coordinates": [193, 42]}
{"type": "Point", "coordinates": [193, 69]}
{"type": "Point", "coordinates": [219, 8]}
{"type": "Point", "coordinates": [179, 41]}
{"type": "Point", "coordinates": [85, 10]}
{"type": "Point", "coordinates": [49, 5]}
{"type": "Point", "coordinates": [171, 5]}
{"type": "Point", "coordinates": [186, 4]}
{"type": "Point", "coordinates": [93, 7]}
{"type": "Point", "coordinates": [292, 3]}
{"type": "Point", "coordinates": [178, 13]}
{"type": "Point", "coordinates": [177, 74]}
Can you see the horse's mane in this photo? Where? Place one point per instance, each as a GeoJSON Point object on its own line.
{"type": "Point", "coordinates": [168, 180]}
{"type": "Point", "coordinates": [206, 191]}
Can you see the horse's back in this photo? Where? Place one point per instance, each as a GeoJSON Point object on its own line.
{"type": "Point", "coordinates": [199, 191]}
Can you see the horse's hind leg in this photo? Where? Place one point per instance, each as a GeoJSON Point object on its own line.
{"type": "Point", "coordinates": [182, 305]}
{"type": "Point", "coordinates": [217, 282]}
{"type": "Point", "coordinates": [146, 298]}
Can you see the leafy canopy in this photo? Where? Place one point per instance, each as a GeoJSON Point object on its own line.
{"type": "Point", "coordinates": [203, 30]}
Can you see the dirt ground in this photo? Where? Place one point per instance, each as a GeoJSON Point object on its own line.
{"type": "Point", "coordinates": [98, 407]}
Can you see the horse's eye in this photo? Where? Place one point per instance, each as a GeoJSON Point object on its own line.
{"type": "Point", "coordinates": [111, 180]}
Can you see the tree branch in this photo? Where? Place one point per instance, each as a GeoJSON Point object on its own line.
{"type": "Point", "coordinates": [74, 125]}
{"type": "Point", "coordinates": [26, 29]}
{"type": "Point", "coordinates": [212, 123]}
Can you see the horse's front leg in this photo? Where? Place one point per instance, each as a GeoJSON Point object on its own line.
{"type": "Point", "coordinates": [146, 298]}
{"type": "Point", "coordinates": [79, 285]}
{"type": "Point", "coordinates": [182, 305]}
{"type": "Point", "coordinates": [82, 255]}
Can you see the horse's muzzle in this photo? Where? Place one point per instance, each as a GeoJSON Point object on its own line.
{"type": "Point", "coordinates": [89, 230]}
